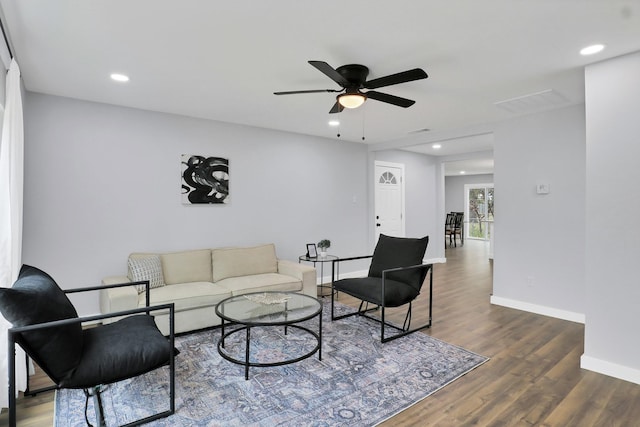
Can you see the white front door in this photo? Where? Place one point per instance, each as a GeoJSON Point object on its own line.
{"type": "Point", "coordinates": [389, 199]}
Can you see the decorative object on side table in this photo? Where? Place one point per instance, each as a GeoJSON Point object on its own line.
{"type": "Point", "coordinates": [324, 244]}
{"type": "Point", "coordinates": [311, 250]}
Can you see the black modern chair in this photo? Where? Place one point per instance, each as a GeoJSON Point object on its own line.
{"type": "Point", "coordinates": [395, 279]}
{"type": "Point", "coordinates": [46, 325]}
{"type": "Point", "coordinates": [458, 227]}
{"type": "Point", "coordinates": [449, 228]}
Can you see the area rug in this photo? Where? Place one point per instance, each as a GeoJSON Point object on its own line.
{"type": "Point", "coordinates": [358, 382]}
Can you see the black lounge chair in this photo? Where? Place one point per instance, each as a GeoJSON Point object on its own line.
{"type": "Point", "coordinates": [47, 327]}
{"type": "Point", "coordinates": [395, 279]}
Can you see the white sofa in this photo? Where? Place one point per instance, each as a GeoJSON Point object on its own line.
{"type": "Point", "coordinates": [196, 280]}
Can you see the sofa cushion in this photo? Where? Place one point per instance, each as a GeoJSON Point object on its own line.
{"type": "Point", "coordinates": [36, 298]}
{"type": "Point", "coordinates": [187, 266]}
{"type": "Point", "coordinates": [146, 268]}
{"type": "Point", "coordinates": [187, 296]}
{"type": "Point", "coordinates": [238, 262]}
{"type": "Point", "coordinates": [261, 283]}
{"type": "Point", "coordinates": [129, 347]}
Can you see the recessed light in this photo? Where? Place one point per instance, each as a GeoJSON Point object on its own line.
{"type": "Point", "coordinates": [119, 77]}
{"type": "Point", "coordinates": [590, 50]}
{"type": "Point", "coordinates": [334, 123]}
{"type": "Point", "coordinates": [436, 146]}
{"type": "Point", "coordinates": [462, 172]}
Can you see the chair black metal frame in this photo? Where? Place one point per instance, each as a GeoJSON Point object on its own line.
{"type": "Point", "coordinates": [15, 333]}
{"type": "Point", "coordinates": [453, 227]}
{"type": "Point", "coordinates": [362, 311]}
{"type": "Point", "coordinates": [449, 228]}
{"type": "Point", "coordinates": [458, 227]}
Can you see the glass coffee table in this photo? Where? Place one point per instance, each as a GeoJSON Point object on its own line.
{"type": "Point", "coordinates": [268, 309]}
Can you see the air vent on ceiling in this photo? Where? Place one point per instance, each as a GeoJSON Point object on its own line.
{"type": "Point", "coordinates": [530, 103]}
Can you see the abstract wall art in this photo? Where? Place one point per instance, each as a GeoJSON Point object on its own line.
{"type": "Point", "coordinates": [205, 180]}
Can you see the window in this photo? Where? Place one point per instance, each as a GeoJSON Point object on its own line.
{"type": "Point", "coordinates": [479, 199]}
{"type": "Point", "coordinates": [387, 178]}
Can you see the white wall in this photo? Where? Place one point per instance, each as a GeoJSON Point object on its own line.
{"type": "Point", "coordinates": [103, 181]}
{"type": "Point", "coordinates": [539, 239]}
{"type": "Point", "coordinates": [3, 88]}
{"type": "Point", "coordinates": [613, 237]}
{"type": "Point", "coordinates": [454, 189]}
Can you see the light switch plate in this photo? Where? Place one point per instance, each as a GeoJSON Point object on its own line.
{"type": "Point", "coordinates": [542, 188]}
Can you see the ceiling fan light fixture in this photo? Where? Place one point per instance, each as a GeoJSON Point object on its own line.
{"type": "Point", "coordinates": [351, 100]}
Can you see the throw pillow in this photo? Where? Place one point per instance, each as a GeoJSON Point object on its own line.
{"type": "Point", "coordinates": [36, 298]}
{"type": "Point", "coordinates": [147, 268]}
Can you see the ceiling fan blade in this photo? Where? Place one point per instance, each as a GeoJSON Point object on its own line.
{"type": "Point", "coordinates": [292, 92]}
{"type": "Point", "coordinates": [330, 72]}
{"type": "Point", "coordinates": [394, 79]}
{"type": "Point", "coordinates": [390, 99]}
{"type": "Point", "coordinates": [337, 108]}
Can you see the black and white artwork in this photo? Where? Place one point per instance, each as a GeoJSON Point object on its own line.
{"type": "Point", "coordinates": [205, 180]}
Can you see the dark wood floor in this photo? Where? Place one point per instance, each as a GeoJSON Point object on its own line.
{"type": "Point", "coordinates": [533, 377]}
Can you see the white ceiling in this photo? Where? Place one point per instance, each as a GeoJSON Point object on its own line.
{"type": "Point", "coordinates": [478, 149]}
{"type": "Point", "coordinates": [223, 60]}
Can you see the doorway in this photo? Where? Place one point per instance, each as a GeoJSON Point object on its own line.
{"type": "Point", "coordinates": [479, 201]}
{"type": "Point", "coordinates": [389, 199]}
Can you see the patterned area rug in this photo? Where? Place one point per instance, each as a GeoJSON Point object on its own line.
{"type": "Point", "coordinates": [358, 382]}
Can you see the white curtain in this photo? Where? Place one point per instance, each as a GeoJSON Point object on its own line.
{"type": "Point", "coordinates": [11, 190]}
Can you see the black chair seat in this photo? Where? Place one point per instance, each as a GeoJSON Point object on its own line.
{"type": "Point", "coordinates": [127, 348]}
{"type": "Point", "coordinates": [370, 289]}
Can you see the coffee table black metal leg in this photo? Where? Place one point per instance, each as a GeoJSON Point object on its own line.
{"type": "Point", "coordinates": [222, 329]}
{"type": "Point", "coordinates": [246, 366]}
{"type": "Point", "coordinates": [286, 313]}
{"type": "Point", "coordinates": [320, 336]}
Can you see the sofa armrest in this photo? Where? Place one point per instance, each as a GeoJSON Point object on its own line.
{"type": "Point", "coordinates": [302, 272]}
{"type": "Point", "coordinates": [117, 299]}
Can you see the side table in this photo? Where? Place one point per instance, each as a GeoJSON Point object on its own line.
{"type": "Point", "coordinates": [322, 260]}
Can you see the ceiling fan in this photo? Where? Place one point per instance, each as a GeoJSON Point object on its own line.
{"type": "Point", "coordinates": [353, 78]}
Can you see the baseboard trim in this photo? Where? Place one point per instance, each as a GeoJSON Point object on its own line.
{"type": "Point", "coordinates": [539, 309]}
{"type": "Point", "coordinates": [610, 369]}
